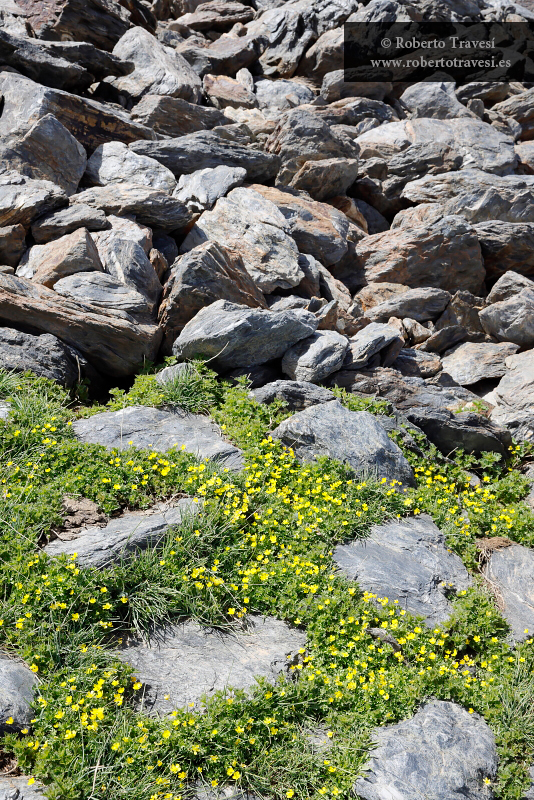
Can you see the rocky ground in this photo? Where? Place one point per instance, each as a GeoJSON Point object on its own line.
{"type": "Point", "coordinates": [266, 409]}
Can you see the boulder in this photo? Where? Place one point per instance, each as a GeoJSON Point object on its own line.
{"type": "Point", "coordinates": [316, 357]}
{"type": "Point", "coordinates": [226, 92]}
{"type": "Point", "coordinates": [525, 154]}
{"type": "Point", "coordinates": [371, 340]}
{"type": "Point", "coordinates": [145, 427]}
{"type": "Point", "coordinates": [442, 751]}
{"type": "Point", "coordinates": [514, 396]}
{"type": "Point", "coordinates": [47, 263]}
{"type": "Point", "coordinates": [186, 661]}
{"type": "Point", "coordinates": [121, 229]}
{"type": "Point", "coordinates": [127, 262]}
{"type": "Point", "coordinates": [232, 335]}
{"type": "Point", "coordinates": [374, 294]}
{"type": "Point", "coordinates": [506, 246]}
{"type": "Point", "coordinates": [281, 95]}
{"type": "Point", "coordinates": [355, 438]}
{"type": "Point", "coordinates": [12, 788]}
{"type": "Point", "coordinates": [508, 285]}
{"type": "Point", "coordinates": [200, 277]}
{"type": "Point", "coordinates": [225, 56]}
{"type": "Point", "coordinates": [416, 363]}
{"type": "Point", "coordinates": [326, 55]}
{"type": "Point", "coordinates": [174, 117]}
{"type": "Point", "coordinates": [104, 292]}
{"type": "Point", "coordinates": [284, 38]}
{"type": "Point", "coordinates": [201, 189]}
{"type": "Point", "coordinates": [335, 87]}
{"type": "Point", "coordinates": [158, 69]}
{"type": "Point", "coordinates": [511, 320]}
{"type": "Point", "coordinates": [435, 100]}
{"type": "Point", "coordinates": [17, 687]}
{"type": "Point", "coordinates": [23, 199]}
{"type": "Point", "coordinates": [47, 151]}
{"type": "Point", "coordinates": [407, 561]}
{"type": "Point", "coordinates": [510, 571]}
{"type": "Point", "coordinates": [217, 15]}
{"type": "Point", "coordinates": [12, 244]}
{"type": "Point", "coordinates": [463, 311]}
{"type": "Point", "coordinates": [466, 430]}
{"type": "Point", "coordinates": [518, 108]}
{"type": "Point", "coordinates": [418, 304]}
{"type": "Point", "coordinates": [114, 162]}
{"type": "Point", "coordinates": [251, 226]}
{"type": "Point", "coordinates": [66, 220]}
{"type": "Point", "coordinates": [100, 22]}
{"type": "Point", "coordinates": [471, 362]}
{"type": "Point", "coordinates": [150, 206]}
{"type": "Point", "coordinates": [123, 537]}
{"type": "Point", "coordinates": [45, 355]}
{"type": "Point", "coordinates": [296, 394]}
{"type": "Point", "coordinates": [325, 178]}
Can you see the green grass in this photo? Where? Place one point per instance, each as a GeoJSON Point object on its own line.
{"type": "Point", "coordinates": [262, 544]}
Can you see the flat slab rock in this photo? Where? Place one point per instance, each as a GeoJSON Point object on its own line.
{"type": "Point", "coordinates": [12, 788]}
{"type": "Point", "coordinates": [441, 753]}
{"type": "Point", "coordinates": [186, 661]}
{"type": "Point", "coordinates": [122, 537]}
{"type": "Point", "coordinates": [297, 394]}
{"type": "Point", "coordinates": [511, 572]}
{"type": "Point", "coordinates": [160, 430]}
{"type": "Point", "coordinates": [474, 361]}
{"type": "Point", "coordinates": [406, 560]}
{"type": "Point", "coordinates": [17, 683]}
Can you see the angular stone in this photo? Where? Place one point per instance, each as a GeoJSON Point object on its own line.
{"type": "Point", "coordinates": [297, 394]}
{"type": "Point", "coordinates": [158, 430]}
{"type": "Point", "coordinates": [104, 292]}
{"type": "Point", "coordinates": [284, 38]}
{"type": "Point", "coordinates": [225, 56]}
{"type": "Point", "coordinates": [200, 277]}
{"type": "Point", "coordinates": [47, 151]}
{"type": "Point", "coordinates": [354, 437]}
{"type": "Point", "coordinates": [510, 571]}
{"type": "Point", "coordinates": [217, 15]}
{"type": "Point", "coordinates": [324, 56]}
{"type": "Point", "coordinates": [419, 304]}
{"type": "Point", "coordinates": [514, 396]}
{"type": "Point", "coordinates": [252, 227]}
{"type": "Point", "coordinates": [127, 262]}
{"type": "Point", "coordinates": [47, 263]}
{"type": "Point", "coordinates": [518, 108]}
{"type": "Point", "coordinates": [511, 320]}
{"type": "Point", "coordinates": [114, 162]}
{"type": "Point", "coordinates": [187, 661]}
{"type": "Point", "coordinates": [175, 117]}
{"type": "Point", "coordinates": [316, 357]}
{"type": "Point", "coordinates": [508, 285]}
{"type": "Point", "coordinates": [17, 685]}
{"type": "Point", "coordinates": [23, 199]}
{"type": "Point", "coordinates": [281, 95]}
{"type": "Point", "coordinates": [416, 363]}
{"type": "Point", "coordinates": [449, 431]}
{"type": "Point", "coordinates": [505, 246]}
{"type": "Point", "coordinates": [442, 751]}
{"type": "Point", "coordinates": [417, 333]}
{"type": "Point", "coordinates": [435, 100]}
{"type": "Point", "coordinates": [444, 339]}
{"type": "Point", "coordinates": [158, 69]}
{"type": "Point", "coordinates": [232, 335]}
{"type": "Point", "coordinates": [45, 355]}
{"type": "Point", "coordinates": [204, 149]}
{"type": "Point", "coordinates": [407, 561]}
{"type": "Point", "coordinates": [470, 362]}
{"type": "Point", "coordinates": [123, 537]}
{"type": "Point", "coordinates": [335, 87]}
{"type": "Point", "coordinates": [100, 22]}
{"type": "Point", "coordinates": [371, 340]}
{"type": "Point", "coordinates": [121, 229]}
{"type": "Point", "coordinates": [202, 188]}
{"type": "Point", "coordinates": [12, 244]}
{"type": "Point", "coordinates": [66, 220]}
{"type": "Point", "coordinates": [326, 177]}
{"type": "Point", "coordinates": [374, 294]}
{"type": "Point", "coordinates": [150, 206]}
{"type": "Point", "coordinates": [464, 310]}
{"type": "Point", "coordinates": [226, 92]}
{"type": "Point", "coordinates": [12, 788]}
{"type": "Point", "coordinates": [525, 154]}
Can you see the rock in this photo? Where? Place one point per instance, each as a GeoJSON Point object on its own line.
{"type": "Point", "coordinates": [17, 685]}
{"type": "Point", "coordinates": [12, 244]}
{"type": "Point", "coordinates": [114, 162]}
{"type": "Point", "coordinates": [104, 292]}
{"type": "Point", "coordinates": [441, 751]}
{"type": "Point", "coordinates": [90, 122]}
{"type": "Point", "coordinates": [169, 375]}
{"type": "Point", "coordinates": [508, 285]}
{"type": "Point", "coordinates": [514, 396]}
{"type": "Point", "coordinates": [418, 304]}
{"type": "Point", "coordinates": [121, 229]}
{"type": "Point", "coordinates": [407, 561]}
{"type": "Point", "coordinates": [250, 226]}
{"type": "Point", "coordinates": [518, 108]}
{"type": "Point", "coordinates": [47, 151]}
{"type": "Point", "coordinates": [354, 437]}
{"type": "Point", "coordinates": [159, 430]}
{"type": "Point", "coordinates": [416, 332]}
{"type": "Point", "coordinates": [47, 263]}
{"type": "Point", "coordinates": [127, 262]}
{"type": "Point", "coordinates": [184, 662]}
{"type": "Point", "coordinates": [227, 92]}
{"type": "Point", "coordinates": [217, 15]}
{"type": "Point", "coordinates": [281, 95]}
{"type": "Point", "coordinates": [225, 56]}
{"type": "Point", "coordinates": [316, 357]}
{"type": "Point", "coordinates": [284, 38]}
{"type": "Point", "coordinates": [202, 276]}
{"type": "Point", "coordinates": [444, 338]}
{"type": "Point", "coordinates": [150, 206]}
{"type": "Point", "coordinates": [158, 69]}
{"type": "Point", "coordinates": [470, 362]}
{"type": "Point", "coordinates": [444, 255]}
{"type": "Point", "coordinates": [167, 246]}
{"type": "Point", "coordinates": [175, 117]}
{"type": "Point", "coordinates": [435, 100]}
{"type": "Point", "coordinates": [79, 513]}
{"type": "Point", "coordinates": [374, 294]}
{"type": "Point", "coordinates": [5, 410]}
{"type": "Point", "coordinates": [463, 311]}
{"type": "Point", "coordinates": [66, 220]}
{"type": "Point", "coordinates": [450, 431]}
{"type": "Point", "coordinates": [12, 788]}
{"type": "Point", "coordinates": [416, 363]}
{"type": "Point", "coordinates": [348, 206]}
{"type": "Point", "coordinates": [510, 572]}
{"type": "Point", "coordinates": [326, 178]}
{"type": "Point", "coordinates": [122, 537]}
{"type": "Point", "coordinates": [256, 376]}
{"type": "Point", "coordinates": [45, 355]}
{"type": "Point", "coordinates": [204, 149]}
{"type": "Point", "coordinates": [373, 339]}
{"type": "Point", "coordinates": [226, 793]}
{"type": "Point", "coordinates": [100, 23]}
{"type": "Point", "coordinates": [324, 56]}
{"type": "Point", "coordinates": [335, 87]}
{"type": "Point", "coordinates": [297, 394]}
{"type": "Point", "coordinates": [506, 246]}
{"type": "Point", "coordinates": [511, 320]}
{"type": "Point", "coordinates": [23, 199]}
{"type": "Point", "coordinates": [525, 154]}
{"type": "Point", "coordinates": [112, 345]}
{"type": "Point", "coordinates": [200, 190]}
{"type": "Point", "coordinates": [232, 335]}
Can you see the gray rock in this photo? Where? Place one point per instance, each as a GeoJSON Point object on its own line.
{"type": "Point", "coordinates": [159, 430]}
{"type": "Point", "coordinates": [505, 246]}
{"type": "Point", "coordinates": [45, 355]}
{"type": "Point", "coordinates": [47, 263]}
{"type": "Point", "coordinates": [416, 363]}
{"type": "Point", "coordinates": [23, 199]}
{"type": "Point", "coordinates": [12, 245]}
{"type": "Point", "coordinates": [436, 100]}
{"type": "Point", "coordinates": [464, 310]}
{"type": "Point", "coordinates": [172, 116]}
{"type": "Point", "coordinates": [354, 437]}
{"type": "Point", "coordinates": [188, 661]}
{"type": "Point", "coordinates": [60, 223]}
{"type": "Point", "coordinates": [121, 229]}
{"type": "Point", "coordinates": [205, 149]}
{"type": "Point", "coordinates": [225, 56]}
{"type": "Point", "coordinates": [508, 285]}
{"type": "Point", "coordinates": [371, 340]}
{"type": "Point", "coordinates": [530, 792]}
{"type": "Point", "coordinates": [376, 223]}
{"type": "Point", "coordinates": [166, 245]}
{"type": "Point", "coordinates": [471, 362]}
{"type": "Point", "coordinates": [12, 788]}
{"type": "Point", "coordinates": [327, 177]}
{"type": "Point", "coordinates": [47, 151]}
{"type": "Point", "coordinates": [250, 225]}
{"type": "Point", "coordinates": [444, 339]}
{"type": "Point", "coordinates": [510, 571]}
{"type": "Point", "coordinates": [297, 394]}
{"type": "Point", "coordinates": [158, 69]}
{"type": "Point", "coordinates": [335, 87]}
{"type": "Point", "coordinates": [419, 304]}
{"type": "Point", "coordinates": [514, 396]}
{"type": "Point", "coordinates": [17, 684]}
{"type": "Point", "coordinates": [232, 335]}
{"type": "Point", "coordinates": [201, 189]}
{"type": "Point", "coordinates": [284, 39]}
{"type": "Point", "coordinates": [224, 793]}
{"type": "Point", "coordinates": [127, 262]}
{"type": "Point", "coordinates": [217, 16]}
{"type": "Point", "coordinates": [406, 560]}
{"type": "Point", "coordinates": [104, 292]}
{"type": "Point", "coordinates": [316, 357]}
{"type": "Point", "coordinates": [416, 332]}
{"type": "Point", "coordinates": [5, 410]}
{"type": "Point", "coordinates": [123, 537]}
{"type": "Point", "coordinates": [441, 752]}
{"type": "Point", "coordinates": [281, 95]}
{"type": "Point", "coordinates": [173, 373]}
{"type": "Point", "coordinates": [225, 92]}
{"type": "Point", "coordinates": [517, 108]}
{"type": "Point", "coordinates": [450, 431]}
{"type": "Point", "coordinates": [511, 320]}
{"type": "Point", "coordinates": [114, 162]}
